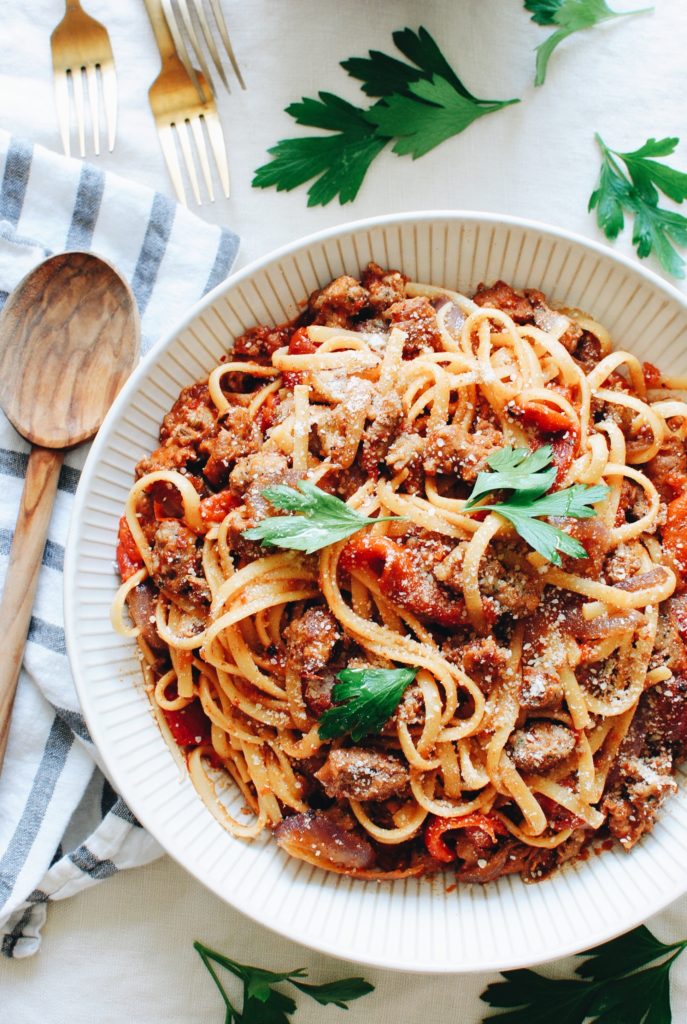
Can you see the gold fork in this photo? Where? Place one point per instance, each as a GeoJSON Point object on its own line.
{"type": "Point", "coordinates": [81, 48]}
{"type": "Point", "coordinates": [176, 107]}
{"type": "Point", "coordinates": [187, 20]}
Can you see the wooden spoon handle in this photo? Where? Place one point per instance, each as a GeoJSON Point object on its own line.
{"type": "Point", "coordinates": [22, 573]}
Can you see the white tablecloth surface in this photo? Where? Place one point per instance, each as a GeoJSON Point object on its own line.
{"type": "Point", "coordinates": [122, 952]}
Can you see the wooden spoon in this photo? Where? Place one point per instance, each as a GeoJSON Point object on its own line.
{"type": "Point", "coordinates": [68, 340]}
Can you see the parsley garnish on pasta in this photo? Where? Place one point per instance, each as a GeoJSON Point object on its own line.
{"type": "Point", "coordinates": [420, 105]}
{"type": "Point", "coordinates": [626, 980]}
{"type": "Point", "coordinates": [322, 519]}
{"type": "Point", "coordinates": [568, 17]}
{"type": "Point", "coordinates": [529, 475]}
{"type": "Point", "coordinates": [636, 192]}
{"type": "Point", "coordinates": [263, 1004]}
{"type": "Point", "coordinates": [366, 699]}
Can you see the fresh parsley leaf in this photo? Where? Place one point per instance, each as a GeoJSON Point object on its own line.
{"type": "Point", "coordinates": [382, 75]}
{"type": "Point", "coordinates": [421, 48]}
{"type": "Point", "coordinates": [642, 998]}
{"type": "Point", "coordinates": [258, 980]}
{"type": "Point", "coordinates": [647, 173]}
{"type": "Point", "coordinates": [338, 993]}
{"type": "Point", "coordinates": [366, 699]}
{"type": "Point", "coordinates": [570, 16]}
{"type": "Point", "coordinates": [613, 193]}
{"type": "Point", "coordinates": [263, 1004]}
{"type": "Point", "coordinates": [531, 999]}
{"type": "Point", "coordinates": [427, 91]}
{"type": "Point", "coordinates": [624, 954]}
{"type": "Point", "coordinates": [324, 519]}
{"type": "Point", "coordinates": [544, 11]}
{"type": "Point", "coordinates": [545, 538]}
{"type": "Point", "coordinates": [614, 989]}
{"type": "Point", "coordinates": [655, 229]}
{"type": "Point", "coordinates": [529, 475]}
{"type": "Point", "coordinates": [421, 127]}
{"type": "Point", "coordinates": [338, 162]}
{"type": "Point", "coordinates": [275, 1009]}
{"type": "Point", "coordinates": [516, 469]}
{"type": "Point", "coordinates": [573, 502]}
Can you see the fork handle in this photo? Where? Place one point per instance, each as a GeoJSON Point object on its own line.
{"type": "Point", "coordinates": [163, 36]}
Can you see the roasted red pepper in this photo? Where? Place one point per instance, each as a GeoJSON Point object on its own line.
{"type": "Point", "coordinates": [190, 725]}
{"type": "Point", "coordinates": [301, 344]}
{"type": "Point", "coordinates": [546, 419]}
{"type": "Point", "coordinates": [434, 832]}
{"type": "Point", "coordinates": [652, 375]}
{"type": "Point", "coordinates": [563, 452]}
{"type": "Point", "coordinates": [675, 536]}
{"type": "Point", "coordinates": [167, 503]}
{"type": "Point", "coordinates": [559, 818]}
{"type": "Point", "coordinates": [402, 580]}
{"type": "Point", "coordinates": [129, 559]}
{"type": "Point", "coordinates": [267, 412]}
{"type": "Point", "coordinates": [214, 508]}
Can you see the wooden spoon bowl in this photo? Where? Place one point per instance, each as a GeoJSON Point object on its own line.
{"type": "Point", "coordinates": [66, 348]}
{"type": "Point", "coordinates": [68, 340]}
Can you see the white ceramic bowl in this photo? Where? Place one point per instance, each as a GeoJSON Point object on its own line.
{"type": "Point", "coordinates": [409, 925]}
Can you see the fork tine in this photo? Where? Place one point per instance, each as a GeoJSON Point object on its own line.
{"type": "Point", "coordinates": [181, 48]}
{"type": "Point", "coordinates": [182, 132]}
{"type": "Point", "coordinates": [92, 80]}
{"type": "Point", "coordinates": [209, 40]}
{"type": "Point", "coordinates": [77, 85]}
{"type": "Point", "coordinates": [197, 129]}
{"type": "Point", "coordinates": [62, 104]}
{"type": "Point", "coordinates": [108, 78]}
{"type": "Point", "coordinates": [216, 136]}
{"type": "Point", "coordinates": [166, 136]}
{"type": "Point", "coordinates": [224, 33]}
{"type": "Point", "coordinates": [193, 36]}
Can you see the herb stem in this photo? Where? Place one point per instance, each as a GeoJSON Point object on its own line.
{"type": "Point", "coordinates": [205, 955]}
{"type": "Point", "coordinates": [610, 154]}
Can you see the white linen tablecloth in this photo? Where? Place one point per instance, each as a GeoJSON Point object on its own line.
{"type": "Point", "coordinates": [122, 952]}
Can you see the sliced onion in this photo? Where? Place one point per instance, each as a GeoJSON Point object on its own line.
{"type": "Point", "coordinates": [646, 579]}
{"type": "Point", "coordinates": [319, 840]}
{"type": "Point", "coordinates": [141, 601]}
{"type": "Point", "coordinates": [454, 318]}
{"type": "Point", "coordinates": [602, 626]}
{"type": "Point", "coordinates": [551, 321]}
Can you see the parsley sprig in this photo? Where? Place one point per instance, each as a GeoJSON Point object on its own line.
{"type": "Point", "coordinates": [529, 475]}
{"type": "Point", "coordinates": [366, 699]}
{"type": "Point", "coordinates": [568, 16]}
{"type": "Point", "coordinates": [636, 192]}
{"type": "Point", "coordinates": [263, 1004]}
{"type": "Point", "coordinates": [625, 981]}
{"type": "Point", "coordinates": [519, 469]}
{"type": "Point", "coordinates": [321, 519]}
{"type": "Point", "coordinates": [419, 104]}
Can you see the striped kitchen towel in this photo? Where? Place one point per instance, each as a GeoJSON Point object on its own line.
{"type": "Point", "coordinates": [62, 827]}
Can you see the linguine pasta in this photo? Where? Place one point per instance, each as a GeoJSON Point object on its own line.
{"type": "Point", "coordinates": [548, 706]}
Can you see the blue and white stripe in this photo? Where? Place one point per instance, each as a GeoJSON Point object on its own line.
{"type": "Point", "coordinates": [62, 828]}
